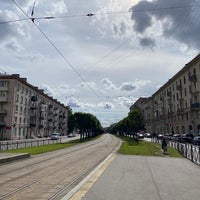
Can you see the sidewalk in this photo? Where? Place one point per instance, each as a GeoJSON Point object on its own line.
{"type": "Point", "coordinates": [142, 177]}
{"type": "Point", "coordinates": [9, 157]}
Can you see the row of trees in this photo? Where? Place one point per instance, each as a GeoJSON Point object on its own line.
{"type": "Point", "coordinates": [133, 123]}
{"type": "Point", "coordinates": [86, 124]}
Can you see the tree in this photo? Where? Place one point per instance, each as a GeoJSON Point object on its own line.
{"type": "Point", "coordinates": [130, 124]}
{"type": "Point", "coordinates": [87, 124]}
{"type": "Point", "coordinates": [135, 120]}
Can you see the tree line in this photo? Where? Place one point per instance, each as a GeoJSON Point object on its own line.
{"type": "Point", "coordinates": [131, 124]}
{"type": "Point", "coordinates": [86, 124]}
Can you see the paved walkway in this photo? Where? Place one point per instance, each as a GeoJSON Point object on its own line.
{"type": "Point", "coordinates": [142, 177]}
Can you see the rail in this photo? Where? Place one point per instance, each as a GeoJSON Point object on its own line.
{"type": "Point", "coordinates": [17, 144]}
{"type": "Point", "coordinates": [187, 150]}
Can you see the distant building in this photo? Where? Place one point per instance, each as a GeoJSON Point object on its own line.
{"type": "Point", "coordinates": [175, 107]}
{"type": "Point", "coordinates": [27, 112]}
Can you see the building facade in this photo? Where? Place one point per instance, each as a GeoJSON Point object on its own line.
{"type": "Point", "coordinates": [175, 107]}
{"type": "Point", "coordinates": [27, 112]}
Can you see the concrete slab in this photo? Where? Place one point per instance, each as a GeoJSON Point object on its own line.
{"type": "Point", "coordinates": [10, 157]}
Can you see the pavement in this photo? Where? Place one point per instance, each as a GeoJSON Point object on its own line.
{"type": "Point", "coordinates": [124, 177]}
{"type": "Point", "coordinates": [10, 157]}
{"type": "Point", "coordinates": [141, 178]}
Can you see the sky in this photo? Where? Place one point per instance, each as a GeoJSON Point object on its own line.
{"type": "Point", "coordinates": [98, 56]}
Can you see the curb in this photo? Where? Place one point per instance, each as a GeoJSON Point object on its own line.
{"type": "Point", "coordinates": [4, 158]}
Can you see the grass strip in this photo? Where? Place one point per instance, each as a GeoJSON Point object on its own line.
{"type": "Point", "coordinates": [50, 147]}
{"type": "Point", "coordinates": [143, 148]}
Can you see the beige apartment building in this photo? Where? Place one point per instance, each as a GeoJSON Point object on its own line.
{"type": "Point", "coordinates": [27, 112]}
{"type": "Point", "coordinates": [175, 107]}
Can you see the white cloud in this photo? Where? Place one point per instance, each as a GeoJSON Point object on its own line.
{"type": "Point", "coordinates": [106, 105]}
{"type": "Point", "coordinates": [108, 84]}
{"type": "Point", "coordinates": [126, 101]}
{"type": "Point", "coordinates": [119, 58]}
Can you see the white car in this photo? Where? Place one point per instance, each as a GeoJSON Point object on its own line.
{"type": "Point", "coordinates": [54, 136]}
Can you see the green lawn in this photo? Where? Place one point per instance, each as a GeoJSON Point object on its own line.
{"type": "Point", "coordinates": [131, 147]}
{"type": "Point", "coordinates": [47, 148]}
{"type": "Point", "coordinates": [40, 149]}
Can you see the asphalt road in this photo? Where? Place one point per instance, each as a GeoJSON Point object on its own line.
{"type": "Point", "coordinates": [52, 175]}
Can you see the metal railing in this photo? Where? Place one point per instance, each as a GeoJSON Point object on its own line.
{"type": "Point", "coordinates": [189, 151]}
{"type": "Point", "coordinates": [17, 144]}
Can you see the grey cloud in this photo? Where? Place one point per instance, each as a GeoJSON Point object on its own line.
{"type": "Point", "coordinates": [147, 42]}
{"type": "Point", "coordinates": [177, 22]}
{"type": "Point", "coordinates": [119, 29]}
{"type": "Point", "coordinates": [128, 86]}
{"type": "Point", "coordinates": [13, 45]}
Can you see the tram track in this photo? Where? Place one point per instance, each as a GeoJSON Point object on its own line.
{"type": "Point", "coordinates": [74, 174]}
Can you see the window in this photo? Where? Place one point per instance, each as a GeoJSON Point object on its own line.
{"type": "Point", "coordinates": [2, 94]}
{"type": "Point", "coordinates": [16, 108]}
{"type": "Point", "coordinates": [22, 89]}
{"type": "Point", "coordinates": [185, 91]}
{"type": "Point", "coordinates": [3, 83]}
{"type": "Point", "coordinates": [18, 87]}
{"type": "Point", "coordinates": [184, 80]}
{"type": "Point", "coordinates": [21, 101]}
{"type": "Point", "coordinates": [17, 98]}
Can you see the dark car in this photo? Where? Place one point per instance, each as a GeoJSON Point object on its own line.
{"type": "Point", "coordinates": [175, 137]}
{"type": "Point", "coordinates": [186, 138]}
{"type": "Point", "coordinates": [196, 140]}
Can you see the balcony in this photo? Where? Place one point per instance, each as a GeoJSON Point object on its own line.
{"type": "Point", "coordinates": [4, 88]}
{"type": "Point", "coordinates": [3, 99]}
{"type": "Point", "coordinates": [193, 78]}
{"type": "Point", "coordinates": [3, 112]}
{"type": "Point", "coordinates": [195, 106]}
{"type": "Point", "coordinates": [2, 123]}
{"type": "Point", "coordinates": [34, 98]}
{"type": "Point", "coordinates": [179, 87]}
{"type": "Point", "coordinates": [180, 111]}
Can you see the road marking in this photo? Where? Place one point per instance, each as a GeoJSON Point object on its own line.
{"type": "Point", "coordinates": [78, 192]}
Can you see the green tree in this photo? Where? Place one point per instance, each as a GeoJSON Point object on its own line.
{"type": "Point", "coordinates": [87, 124]}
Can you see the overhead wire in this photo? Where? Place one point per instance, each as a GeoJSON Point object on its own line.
{"type": "Point", "coordinates": [98, 14]}
{"type": "Point", "coordinates": [32, 18]}
{"type": "Point", "coordinates": [58, 51]}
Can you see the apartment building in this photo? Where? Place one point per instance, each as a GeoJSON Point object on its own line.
{"type": "Point", "coordinates": [175, 107]}
{"type": "Point", "coordinates": [26, 111]}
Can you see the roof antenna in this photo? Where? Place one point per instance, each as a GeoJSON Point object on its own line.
{"type": "Point", "coordinates": [32, 12]}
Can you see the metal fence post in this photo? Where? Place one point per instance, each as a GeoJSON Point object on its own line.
{"type": "Point", "coordinates": [191, 148]}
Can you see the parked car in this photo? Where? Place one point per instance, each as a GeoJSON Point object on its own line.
{"type": "Point", "coordinates": [71, 135]}
{"type": "Point", "coordinates": [169, 136]}
{"type": "Point", "coordinates": [54, 136]}
{"type": "Point", "coordinates": [140, 135]}
{"type": "Point", "coordinates": [148, 135]}
{"type": "Point", "coordinates": [196, 140]}
{"type": "Point", "coordinates": [175, 137]}
{"type": "Point", "coordinates": [186, 138]}
{"type": "Point", "coordinates": [160, 136]}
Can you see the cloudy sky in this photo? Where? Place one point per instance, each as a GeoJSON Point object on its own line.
{"type": "Point", "coordinates": [98, 56]}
